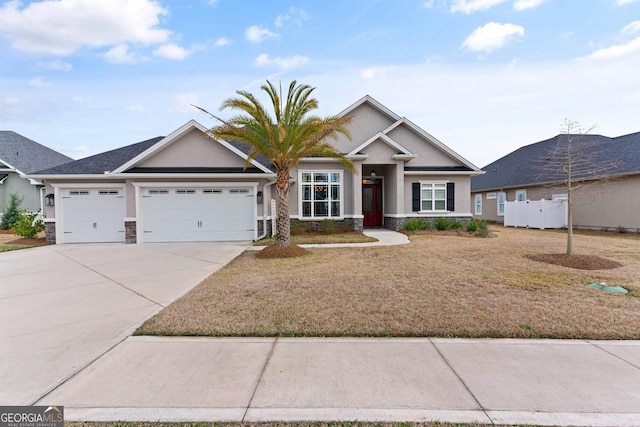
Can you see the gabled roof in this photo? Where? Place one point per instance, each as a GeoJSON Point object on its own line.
{"type": "Point", "coordinates": [380, 136]}
{"type": "Point", "coordinates": [375, 104]}
{"type": "Point", "coordinates": [125, 159]}
{"type": "Point", "coordinates": [525, 166]}
{"type": "Point", "coordinates": [103, 162]}
{"type": "Point", "coordinates": [27, 156]}
{"type": "Point", "coordinates": [176, 135]}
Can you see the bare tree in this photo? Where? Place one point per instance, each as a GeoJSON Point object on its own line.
{"type": "Point", "coordinates": [578, 161]}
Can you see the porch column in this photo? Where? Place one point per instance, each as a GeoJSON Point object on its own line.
{"type": "Point", "coordinates": [357, 190]}
{"type": "Point", "coordinates": [399, 171]}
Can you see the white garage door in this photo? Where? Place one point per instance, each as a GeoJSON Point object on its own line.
{"type": "Point", "coordinates": [198, 214]}
{"type": "Point", "coordinates": [93, 215]}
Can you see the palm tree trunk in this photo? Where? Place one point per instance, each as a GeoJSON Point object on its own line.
{"type": "Point", "coordinates": [283, 226]}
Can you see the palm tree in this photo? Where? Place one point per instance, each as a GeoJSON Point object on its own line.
{"type": "Point", "coordinates": [284, 139]}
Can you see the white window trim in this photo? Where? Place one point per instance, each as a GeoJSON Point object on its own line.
{"type": "Point", "coordinates": [477, 205]}
{"type": "Point", "coordinates": [301, 184]}
{"type": "Point", "coordinates": [491, 196]}
{"type": "Point", "coordinates": [524, 198]}
{"type": "Point", "coordinates": [438, 211]}
{"type": "Point", "coordinates": [556, 197]}
{"type": "Point", "coordinates": [502, 193]}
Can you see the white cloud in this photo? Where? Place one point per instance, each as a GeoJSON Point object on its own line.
{"type": "Point", "coordinates": [184, 103]}
{"type": "Point", "coordinates": [120, 55]}
{"type": "Point", "coordinates": [223, 41]}
{"type": "Point", "coordinates": [212, 2]}
{"type": "Point", "coordinates": [491, 36]}
{"type": "Point", "coordinates": [631, 28]}
{"type": "Point", "coordinates": [470, 6]}
{"type": "Point", "coordinates": [39, 82]}
{"type": "Point", "coordinates": [256, 34]}
{"type": "Point", "coordinates": [56, 65]}
{"type": "Point", "coordinates": [64, 26]}
{"type": "Point", "coordinates": [285, 63]}
{"type": "Point", "coordinates": [623, 50]}
{"type": "Point", "coordinates": [280, 20]}
{"type": "Point", "coordinates": [527, 4]}
{"type": "Point", "coordinates": [172, 51]}
{"type": "Point", "coordinates": [80, 149]}
{"type": "Point", "coordinates": [623, 2]}
{"type": "Point", "coordinates": [372, 73]}
{"type": "Point", "coordinates": [428, 4]}
{"type": "Point", "coordinates": [138, 108]}
{"type": "Point", "coordinates": [619, 51]}
{"type": "Point", "coordinates": [296, 15]}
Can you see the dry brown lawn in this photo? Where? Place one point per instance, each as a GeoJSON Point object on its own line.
{"type": "Point", "coordinates": [445, 286]}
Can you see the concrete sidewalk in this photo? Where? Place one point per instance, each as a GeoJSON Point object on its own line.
{"type": "Point", "coordinates": [546, 382]}
{"type": "Point", "coordinates": [385, 237]}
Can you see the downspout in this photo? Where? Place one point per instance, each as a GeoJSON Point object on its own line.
{"type": "Point", "coordinates": [264, 211]}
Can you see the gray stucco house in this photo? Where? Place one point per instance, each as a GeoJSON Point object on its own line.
{"type": "Point", "coordinates": [189, 187]}
{"type": "Point", "coordinates": [522, 175]}
{"type": "Point", "coordinates": [20, 156]}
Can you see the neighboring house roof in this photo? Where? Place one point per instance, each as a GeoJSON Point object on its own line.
{"type": "Point", "coordinates": [103, 162]}
{"type": "Point", "coordinates": [27, 156]}
{"type": "Point", "coordinates": [525, 166]}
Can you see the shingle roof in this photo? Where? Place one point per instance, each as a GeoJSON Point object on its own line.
{"type": "Point", "coordinates": [26, 155]}
{"type": "Point", "coordinates": [525, 166]}
{"type": "Point", "coordinates": [100, 163]}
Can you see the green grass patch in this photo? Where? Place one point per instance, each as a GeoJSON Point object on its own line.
{"type": "Point", "coordinates": [7, 248]}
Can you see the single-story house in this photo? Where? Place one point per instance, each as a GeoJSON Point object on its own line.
{"type": "Point", "coordinates": [20, 156]}
{"type": "Point", "coordinates": [188, 186]}
{"type": "Point", "coordinates": [526, 174]}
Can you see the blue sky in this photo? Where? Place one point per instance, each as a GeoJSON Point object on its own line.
{"type": "Point", "coordinates": [483, 76]}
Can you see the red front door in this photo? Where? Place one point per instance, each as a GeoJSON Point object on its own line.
{"type": "Point", "coordinates": [372, 204]}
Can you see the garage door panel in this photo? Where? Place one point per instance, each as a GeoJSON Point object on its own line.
{"type": "Point", "coordinates": [210, 214]}
{"type": "Point", "coordinates": [93, 215]}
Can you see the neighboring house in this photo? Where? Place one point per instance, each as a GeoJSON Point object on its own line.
{"type": "Point", "coordinates": [522, 175]}
{"type": "Point", "coordinates": [20, 156]}
{"type": "Point", "coordinates": [188, 186]}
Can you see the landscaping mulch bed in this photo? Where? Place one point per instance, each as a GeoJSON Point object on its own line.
{"type": "Point", "coordinates": [581, 262]}
{"type": "Point", "coordinates": [282, 252]}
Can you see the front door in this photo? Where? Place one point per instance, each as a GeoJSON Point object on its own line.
{"type": "Point", "coordinates": [372, 204]}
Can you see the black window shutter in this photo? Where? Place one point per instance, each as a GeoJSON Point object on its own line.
{"type": "Point", "coordinates": [415, 196]}
{"type": "Point", "coordinates": [451, 196]}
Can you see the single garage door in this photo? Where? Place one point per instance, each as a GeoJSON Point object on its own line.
{"type": "Point", "coordinates": [93, 215]}
{"type": "Point", "coordinates": [198, 214]}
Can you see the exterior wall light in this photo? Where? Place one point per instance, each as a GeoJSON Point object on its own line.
{"type": "Point", "coordinates": [49, 200]}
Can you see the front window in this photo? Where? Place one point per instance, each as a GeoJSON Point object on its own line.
{"type": "Point", "coordinates": [501, 199]}
{"type": "Point", "coordinates": [478, 204]}
{"type": "Point", "coordinates": [433, 196]}
{"type": "Point", "coordinates": [321, 194]}
{"type": "Point", "coordinates": [521, 196]}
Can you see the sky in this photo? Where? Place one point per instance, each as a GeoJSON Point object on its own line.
{"type": "Point", "coordinates": [484, 77]}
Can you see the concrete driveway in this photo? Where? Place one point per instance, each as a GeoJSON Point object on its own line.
{"type": "Point", "coordinates": [63, 306]}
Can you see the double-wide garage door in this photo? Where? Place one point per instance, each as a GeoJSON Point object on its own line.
{"type": "Point", "coordinates": [197, 214]}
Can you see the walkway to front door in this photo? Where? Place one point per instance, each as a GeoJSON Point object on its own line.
{"type": "Point", "coordinates": [372, 204]}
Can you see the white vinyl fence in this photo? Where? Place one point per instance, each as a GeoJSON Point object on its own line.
{"type": "Point", "coordinates": [536, 214]}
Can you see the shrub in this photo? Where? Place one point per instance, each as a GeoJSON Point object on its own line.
{"type": "Point", "coordinates": [455, 224]}
{"type": "Point", "coordinates": [413, 224]}
{"type": "Point", "coordinates": [27, 225]}
{"type": "Point", "coordinates": [329, 226]}
{"type": "Point", "coordinates": [299, 226]}
{"type": "Point", "coordinates": [12, 212]}
{"type": "Point", "coordinates": [442, 223]}
{"type": "Point", "coordinates": [476, 225]}
{"type": "Point", "coordinates": [620, 229]}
